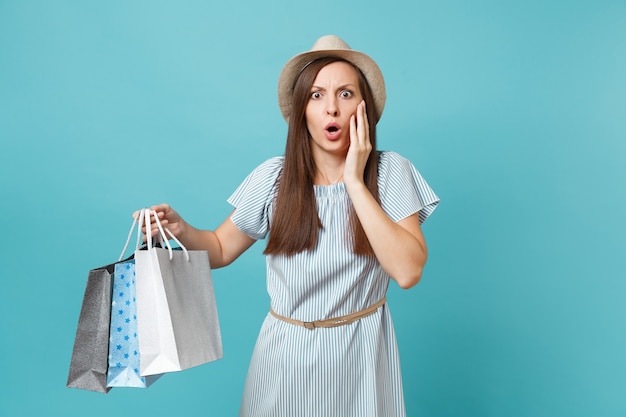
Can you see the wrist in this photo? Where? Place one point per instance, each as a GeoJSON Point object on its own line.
{"type": "Point", "coordinates": [354, 185]}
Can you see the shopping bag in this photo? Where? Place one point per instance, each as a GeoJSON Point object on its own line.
{"type": "Point", "coordinates": [176, 310]}
{"type": "Point", "coordinates": [88, 366]}
{"type": "Point", "coordinates": [124, 355]}
{"type": "Point", "coordinates": [89, 363]}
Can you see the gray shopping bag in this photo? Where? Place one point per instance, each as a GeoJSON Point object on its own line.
{"type": "Point", "coordinates": [88, 367]}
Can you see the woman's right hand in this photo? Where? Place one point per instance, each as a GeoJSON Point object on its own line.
{"type": "Point", "coordinates": [168, 217]}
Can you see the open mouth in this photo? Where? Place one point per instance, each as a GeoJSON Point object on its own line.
{"type": "Point", "coordinates": [332, 128]}
{"type": "Point", "coordinates": [333, 131]}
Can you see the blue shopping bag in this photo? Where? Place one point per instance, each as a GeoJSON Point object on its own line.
{"type": "Point", "coordinates": [124, 355]}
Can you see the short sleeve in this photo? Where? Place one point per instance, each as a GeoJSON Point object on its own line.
{"type": "Point", "coordinates": [403, 191]}
{"type": "Point", "coordinates": [253, 198]}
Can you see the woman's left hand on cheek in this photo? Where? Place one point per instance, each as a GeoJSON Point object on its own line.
{"type": "Point", "coordinates": [360, 145]}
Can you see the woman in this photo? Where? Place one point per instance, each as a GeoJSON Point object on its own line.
{"type": "Point", "coordinates": [342, 220]}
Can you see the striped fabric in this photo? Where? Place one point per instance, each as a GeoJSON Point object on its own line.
{"type": "Point", "coordinates": [351, 370]}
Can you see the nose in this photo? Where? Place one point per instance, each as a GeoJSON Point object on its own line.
{"type": "Point", "coordinates": [331, 107]}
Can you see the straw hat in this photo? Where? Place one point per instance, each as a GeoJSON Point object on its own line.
{"type": "Point", "coordinates": [330, 46]}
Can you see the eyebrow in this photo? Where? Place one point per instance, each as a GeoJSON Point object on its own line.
{"type": "Point", "coordinates": [341, 87]}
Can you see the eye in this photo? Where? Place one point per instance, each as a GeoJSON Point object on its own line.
{"type": "Point", "coordinates": [316, 94]}
{"type": "Point", "coordinates": [346, 94]}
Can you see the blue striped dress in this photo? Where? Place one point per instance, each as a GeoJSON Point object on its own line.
{"type": "Point", "coordinates": [351, 370]}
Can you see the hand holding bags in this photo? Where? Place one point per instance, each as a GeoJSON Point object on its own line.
{"type": "Point", "coordinates": [176, 310]}
{"type": "Point", "coordinates": [176, 316]}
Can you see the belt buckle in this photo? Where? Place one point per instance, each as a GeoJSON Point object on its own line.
{"type": "Point", "coordinates": [309, 325]}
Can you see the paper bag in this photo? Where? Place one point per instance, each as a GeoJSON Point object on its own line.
{"type": "Point", "coordinates": [176, 310]}
{"type": "Point", "coordinates": [124, 358]}
{"type": "Point", "coordinates": [88, 367]}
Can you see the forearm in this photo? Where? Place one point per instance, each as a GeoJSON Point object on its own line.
{"type": "Point", "coordinates": [195, 239]}
{"type": "Point", "coordinates": [399, 247]}
{"type": "Point", "coordinates": [224, 245]}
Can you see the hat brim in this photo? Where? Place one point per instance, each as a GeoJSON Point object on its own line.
{"type": "Point", "coordinates": [295, 65]}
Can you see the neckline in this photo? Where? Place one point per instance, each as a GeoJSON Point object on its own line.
{"type": "Point", "coordinates": [337, 188]}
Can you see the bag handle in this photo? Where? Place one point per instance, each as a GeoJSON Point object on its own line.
{"type": "Point", "coordinates": [144, 215]}
{"type": "Point", "coordinates": [136, 222]}
{"type": "Point", "coordinates": [169, 232]}
{"type": "Point", "coordinates": [162, 236]}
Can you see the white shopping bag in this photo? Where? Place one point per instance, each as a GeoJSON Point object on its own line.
{"type": "Point", "coordinates": [176, 311]}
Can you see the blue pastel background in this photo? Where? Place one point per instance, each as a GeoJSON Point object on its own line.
{"type": "Point", "coordinates": [514, 111]}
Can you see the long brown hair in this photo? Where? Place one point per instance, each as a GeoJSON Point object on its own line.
{"type": "Point", "coordinates": [295, 222]}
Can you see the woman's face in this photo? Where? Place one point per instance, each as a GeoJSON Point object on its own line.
{"type": "Point", "coordinates": [334, 97]}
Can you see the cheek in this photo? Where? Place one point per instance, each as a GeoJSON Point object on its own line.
{"type": "Point", "coordinates": [351, 110]}
{"type": "Point", "coordinates": [310, 126]}
{"type": "Point", "coordinates": [311, 114]}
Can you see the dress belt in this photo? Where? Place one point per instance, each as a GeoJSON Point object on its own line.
{"type": "Point", "coordinates": [334, 322]}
